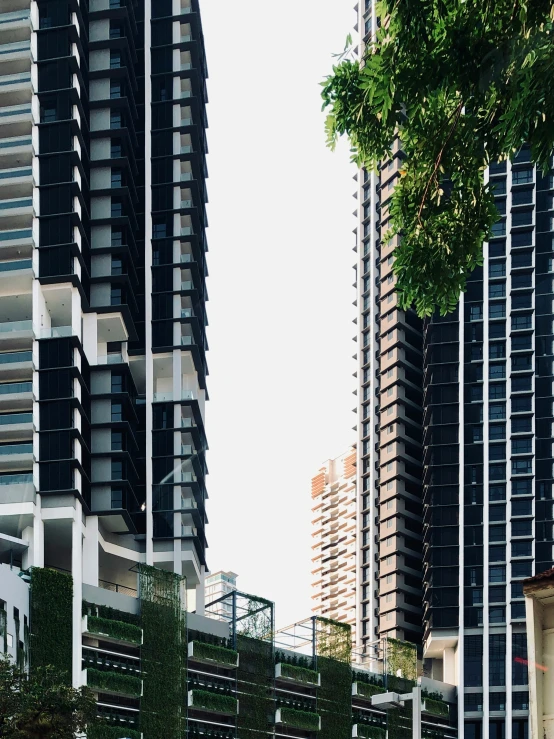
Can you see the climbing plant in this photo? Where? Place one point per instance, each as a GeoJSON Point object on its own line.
{"type": "Point", "coordinates": [333, 642]}
{"type": "Point", "coordinates": [256, 687]}
{"type": "Point", "coordinates": [163, 654]}
{"type": "Point", "coordinates": [333, 639]}
{"type": "Point", "coordinates": [401, 659]}
{"type": "Point", "coordinates": [51, 620]}
{"type": "Point", "coordinates": [3, 631]}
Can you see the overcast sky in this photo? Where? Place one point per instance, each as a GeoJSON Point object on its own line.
{"type": "Point", "coordinates": [280, 287]}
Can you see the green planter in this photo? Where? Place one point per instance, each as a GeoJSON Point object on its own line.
{"type": "Point", "coordinates": [116, 631]}
{"type": "Point", "coordinates": [363, 731]}
{"type": "Point", "coordinates": [435, 707]}
{"type": "Point", "coordinates": [213, 654]}
{"type": "Point", "coordinates": [298, 719]}
{"type": "Point", "coordinates": [365, 691]}
{"type": "Point", "coordinates": [205, 700]}
{"type": "Point", "coordinates": [113, 682]}
{"type": "Point", "coordinates": [295, 674]}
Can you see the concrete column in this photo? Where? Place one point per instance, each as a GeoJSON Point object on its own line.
{"type": "Point", "coordinates": [449, 666]}
{"type": "Point", "coordinates": [90, 552]}
{"type": "Point", "coordinates": [77, 573]}
{"type": "Point", "coordinates": [416, 706]}
{"type": "Point", "coordinates": [201, 592]}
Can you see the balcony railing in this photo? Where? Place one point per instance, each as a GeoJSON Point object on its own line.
{"type": "Point", "coordinates": [56, 332]}
{"type": "Point", "coordinates": [19, 478]}
{"type": "Point", "coordinates": [17, 265]}
{"type": "Point", "coordinates": [16, 326]}
{"type": "Point", "coordinates": [14, 79]}
{"type": "Point", "coordinates": [15, 357]}
{"type": "Point", "coordinates": [110, 359]}
{"type": "Point", "coordinates": [186, 258]}
{"type": "Point", "coordinates": [19, 234]}
{"type": "Point", "coordinates": [187, 340]}
{"type": "Point", "coordinates": [26, 448]}
{"type": "Point", "coordinates": [14, 47]}
{"type": "Point", "coordinates": [8, 419]}
{"type": "Point", "coordinates": [164, 397]}
{"type": "Point", "coordinates": [15, 142]}
{"type": "Point", "coordinates": [8, 174]}
{"type": "Point", "coordinates": [9, 388]}
{"type": "Point", "coordinates": [13, 110]}
{"type": "Point", "coordinates": [16, 15]}
{"type": "Point", "coordinates": [117, 588]}
{"type": "Point", "coordinates": [16, 203]}
{"type": "Point", "coordinates": [187, 285]}
{"type": "Point", "coordinates": [187, 313]}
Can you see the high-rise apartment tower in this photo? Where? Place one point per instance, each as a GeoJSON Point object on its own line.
{"type": "Point", "coordinates": [102, 291]}
{"type": "Point", "coordinates": [334, 540]}
{"type": "Point", "coordinates": [455, 458]}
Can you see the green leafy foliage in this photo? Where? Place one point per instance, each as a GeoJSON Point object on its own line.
{"type": "Point", "coordinates": [299, 719]}
{"type": "Point", "coordinates": [163, 654]}
{"type": "Point", "coordinates": [43, 706]}
{"type": "Point", "coordinates": [115, 629]}
{"type": "Point", "coordinates": [255, 684]}
{"type": "Point", "coordinates": [334, 698]}
{"type": "Point", "coordinates": [366, 690]}
{"type": "Point", "coordinates": [112, 732]}
{"type": "Point", "coordinates": [113, 614]}
{"type": "Point", "coordinates": [436, 707]}
{"type": "Point", "coordinates": [211, 701]}
{"type": "Point", "coordinates": [299, 674]}
{"type": "Point", "coordinates": [462, 83]}
{"type": "Point", "coordinates": [401, 659]}
{"type": "Point", "coordinates": [114, 682]}
{"type": "Point", "coordinates": [333, 639]}
{"type": "Point", "coordinates": [215, 653]}
{"type": "Point", "coordinates": [51, 620]}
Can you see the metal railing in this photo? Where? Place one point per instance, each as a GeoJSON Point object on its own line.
{"type": "Point", "coordinates": [8, 388]}
{"type": "Point", "coordinates": [117, 588]}
{"type": "Point", "coordinates": [13, 357]}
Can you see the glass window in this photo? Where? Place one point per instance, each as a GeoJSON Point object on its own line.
{"type": "Point", "coordinates": [117, 441]}
{"type": "Point", "coordinates": [497, 330]}
{"type": "Point", "coordinates": [497, 655]}
{"type": "Point", "coordinates": [521, 404]}
{"type": "Point", "coordinates": [117, 412]}
{"type": "Point", "coordinates": [522, 549]}
{"type": "Point", "coordinates": [522, 322]}
{"type": "Point", "coordinates": [497, 371]}
{"type": "Point", "coordinates": [497, 350]}
{"type": "Point", "coordinates": [497, 310]}
{"type": "Point", "coordinates": [116, 119]}
{"type": "Point", "coordinates": [521, 569]}
{"type": "Point", "coordinates": [497, 492]}
{"type": "Point", "coordinates": [497, 533]}
{"type": "Point", "coordinates": [497, 411]}
{"type": "Point", "coordinates": [117, 469]}
{"type": "Point", "coordinates": [117, 178]}
{"type": "Point", "coordinates": [497, 574]}
{"type": "Point", "coordinates": [522, 301]}
{"type": "Point", "coordinates": [497, 553]}
{"type": "Point", "coordinates": [522, 528]}
{"type": "Point", "coordinates": [497, 431]}
{"type": "Point", "coordinates": [497, 290]}
{"type": "Point", "coordinates": [117, 383]}
{"type": "Point", "coordinates": [521, 342]}
{"type": "Point", "coordinates": [115, 89]}
{"type": "Point", "coordinates": [497, 513]}
{"type": "Point", "coordinates": [522, 362]}
{"type": "Point", "coordinates": [522, 467]}
{"type": "Point", "coordinates": [117, 498]}
{"type": "Point", "coordinates": [497, 472]}
{"type": "Point", "coordinates": [522, 446]}
{"type": "Point", "coordinates": [497, 390]}
{"type": "Point", "coordinates": [497, 451]}
{"type": "Point", "coordinates": [522, 176]}
{"type": "Point", "coordinates": [117, 208]}
{"type": "Point", "coordinates": [521, 384]}
{"type": "Point", "coordinates": [522, 508]}
{"type": "Point", "coordinates": [115, 58]}
{"type": "Point", "coordinates": [497, 269]}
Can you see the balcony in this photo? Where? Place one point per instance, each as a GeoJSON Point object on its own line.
{"type": "Point", "coordinates": [16, 426]}
{"type": "Point", "coordinates": [15, 25]}
{"type": "Point", "coordinates": [17, 181]}
{"type": "Point", "coordinates": [15, 57]}
{"type": "Point", "coordinates": [56, 332]}
{"type": "Point", "coordinates": [168, 397]}
{"type": "Point", "coordinates": [15, 88]}
{"type": "Point", "coordinates": [15, 120]}
{"type": "Point", "coordinates": [16, 455]}
{"type": "Point", "coordinates": [16, 212]}
{"type": "Point", "coordinates": [15, 333]}
{"type": "Point", "coordinates": [15, 395]}
{"type": "Point", "coordinates": [17, 488]}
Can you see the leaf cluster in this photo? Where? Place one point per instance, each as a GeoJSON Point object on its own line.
{"type": "Point", "coordinates": [42, 706]}
{"type": "Point", "coordinates": [461, 83]}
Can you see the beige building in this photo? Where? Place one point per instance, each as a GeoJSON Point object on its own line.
{"type": "Point", "coordinates": [334, 539]}
{"type": "Point", "coordinates": [539, 606]}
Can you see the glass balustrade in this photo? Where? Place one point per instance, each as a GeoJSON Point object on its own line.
{"type": "Point", "coordinates": [9, 419]}
{"type": "Point", "coordinates": [13, 357]}
{"type": "Point", "coordinates": [8, 388]}
{"type": "Point", "coordinates": [13, 266]}
{"type": "Point", "coordinates": [23, 448]}
{"type": "Point", "coordinates": [16, 326]}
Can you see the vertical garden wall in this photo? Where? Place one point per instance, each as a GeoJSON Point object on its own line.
{"type": "Point", "coordinates": [255, 688]}
{"type": "Point", "coordinates": [401, 668]}
{"type": "Point", "coordinates": [333, 644]}
{"type": "Point", "coordinates": [163, 655]}
{"type": "Point", "coordinates": [51, 620]}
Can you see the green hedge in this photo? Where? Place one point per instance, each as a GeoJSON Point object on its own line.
{"type": "Point", "coordinates": [300, 674]}
{"type": "Point", "coordinates": [51, 620]}
{"type": "Point", "coordinates": [371, 732]}
{"type": "Point", "coordinates": [112, 732]}
{"type": "Point", "coordinates": [256, 685]}
{"type": "Point", "coordinates": [300, 719]}
{"type": "Point", "coordinates": [116, 629]}
{"type": "Point", "coordinates": [214, 653]}
{"type": "Point", "coordinates": [217, 702]}
{"type": "Point", "coordinates": [113, 614]}
{"type": "Point", "coordinates": [366, 690]}
{"type": "Point", "coordinates": [114, 681]}
{"type": "Point", "coordinates": [334, 698]}
{"type": "Point", "coordinates": [437, 708]}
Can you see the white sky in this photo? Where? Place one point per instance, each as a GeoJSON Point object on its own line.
{"type": "Point", "coordinates": [280, 288]}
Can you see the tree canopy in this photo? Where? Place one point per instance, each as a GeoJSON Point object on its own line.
{"type": "Point", "coordinates": [42, 706]}
{"type": "Point", "coordinates": [463, 83]}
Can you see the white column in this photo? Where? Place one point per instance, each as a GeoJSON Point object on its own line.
{"type": "Point", "coordinates": [77, 573]}
{"type": "Point", "coordinates": [416, 712]}
{"type": "Point", "coordinates": [90, 552]}
{"type": "Point", "coordinates": [201, 592]}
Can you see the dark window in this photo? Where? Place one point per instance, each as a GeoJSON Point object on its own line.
{"type": "Point", "coordinates": [522, 301]}
{"type": "Point", "coordinates": [497, 350]}
{"type": "Point", "coordinates": [117, 266]}
{"type": "Point", "coordinates": [497, 658]}
{"type": "Point", "coordinates": [117, 412]}
{"type": "Point", "coordinates": [522, 446]}
{"type": "Point", "coordinates": [497, 330]}
{"type": "Point", "coordinates": [522, 467]}
{"type": "Point", "coordinates": [521, 507]}
{"type": "Point", "coordinates": [497, 452]}
{"type": "Point", "coordinates": [117, 498]}
{"type": "Point", "coordinates": [497, 492]}
{"type": "Point", "coordinates": [497, 411]}
{"type": "Point", "coordinates": [115, 58]}
{"type": "Point", "coordinates": [497, 371]}
{"type": "Point", "coordinates": [522, 528]}
{"type": "Point", "coordinates": [522, 218]}
{"type": "Point", "coordinates": [522, 322]}
{"type": "Point", "coordinates": [521, 342]}
{"type": "Point", "coordinates": [522, 176]}
{"type": "Point", "coordinates": [522, 362]}
{"type": "Point", "coordinates": [117, 441]}
{"type": "Point", "coordinates": [117, 384]}
{"type": "Point", "coordinates": [116, 150]}
{"type": "Point", "coordinates": [117, 469]}
{"type": "Point", "coordinates": [497, 249]}
{"type": "Point", "coordinates": [117, 208]}
{"type": "Point", "coordinates": [473, 661]}
{"type": "Point", "coordinates": [497, 290]}
{"type": "Point", "coordinates": [116, 30]}
{"type": "Point", "coordinates": [497, 533]}
{"type": "Point", "coordinates": [497, 310]}
{"type": "Point", "coordinates": [498, 269]}
{"type": "Point", "coordinates": [497, 574]}
{"type": "Point", "coordinates": [522, 549]}
{"type": "Point", "coordinates": [116, 119]}
{"type": "Point", "coordinates": [497, 390]}
{"type": "Point", "coordinates": [521, 404]}
{"type": "Point", "coordinates": [497, 431]}
{"type": "Point", "coordinates": [117, 237]}
{"type": "Point", "coordinates": [117, 178]}
{"type": "Point", "coordinates": [116, 88]}
{"type": "Point", "coordinates": [116, 295]}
